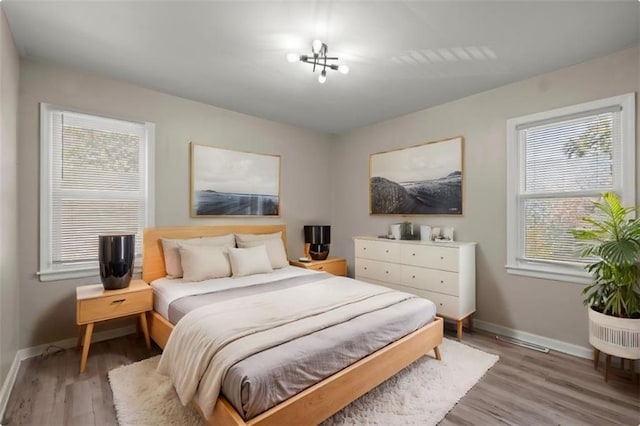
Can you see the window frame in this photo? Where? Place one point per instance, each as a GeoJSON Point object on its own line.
{"type": "Point", "coordinates": [625, 188]}
{"type": "Point", "coordinates": [48, 270]}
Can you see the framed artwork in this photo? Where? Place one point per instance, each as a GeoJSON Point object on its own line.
{"type": "Point", "coordinates": [419, 180]}
{"type": "Point", "coordinates": [233, 183]}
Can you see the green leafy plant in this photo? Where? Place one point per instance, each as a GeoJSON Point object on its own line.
{"type": "Point", "coordinates": [614, 241]}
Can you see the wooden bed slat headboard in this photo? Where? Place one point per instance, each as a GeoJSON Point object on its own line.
{"type": "Point", "coordinates": [153, 258]}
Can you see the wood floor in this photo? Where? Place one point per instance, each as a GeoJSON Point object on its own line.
{"type": "Point", "coordinates": [524, 388]}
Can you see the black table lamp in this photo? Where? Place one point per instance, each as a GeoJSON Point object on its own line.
{"type": "Point", "coordinates": [116, 253]}
{"type": "Point", "coordinates": [318, 237]}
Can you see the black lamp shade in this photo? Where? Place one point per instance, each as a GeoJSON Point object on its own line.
{"type": "Point", "coordinates": [116, 253]}
{"type": "Point", "coordinates": [317, 234]}
{"type": "Point", "coordinates": [318, 237]}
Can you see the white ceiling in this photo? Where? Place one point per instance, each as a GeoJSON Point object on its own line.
{"type": "Point", "coordinates": [404, 56]}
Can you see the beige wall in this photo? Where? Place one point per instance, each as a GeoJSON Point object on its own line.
{"type": "Point", "coordinates": [48, 309]}
{"type": "Point", "coordinates": [9, 289]}
{"type": "Point", "coordinates": [547, 308]}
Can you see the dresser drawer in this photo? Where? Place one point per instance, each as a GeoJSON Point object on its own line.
{"type": "Point", "coordinates": [103, 308]}
{"type": "Point", "coordinates": [377, 250]}
{"type": "Point", "coordinates": [381, 283]}
{"type": "Point", "coordinates": [445, 258]}
{"type": "Point", "coordinates": [376, 270]}
{"type": "Point", "coordinates": [431, 279]}
{"type": "Point", "coordinates": [446, 305]}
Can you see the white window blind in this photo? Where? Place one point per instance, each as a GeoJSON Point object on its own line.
{"type": "Point", "coordinates": [560, 162]}
{"type": "Point", "coordinates": [567, 164]}
{"type": "Point", "coordinates": [95, 180]}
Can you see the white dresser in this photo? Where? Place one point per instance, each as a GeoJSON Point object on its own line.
{"type": "Point", "coordinates": [444, 273]}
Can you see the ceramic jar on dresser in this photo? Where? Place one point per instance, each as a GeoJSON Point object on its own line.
{"type": "Point", "coordinates": [444, 273]}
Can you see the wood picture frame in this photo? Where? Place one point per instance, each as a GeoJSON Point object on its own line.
{"type": "Point", "coordinates": [229, 183]}
{"type": "Point", "coordinates": [425, 179]}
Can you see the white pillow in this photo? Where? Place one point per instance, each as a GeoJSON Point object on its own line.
{"type": "Point", "coordinates": [172, 263]}
{"type": "Point", "coordinates": [273, 243]}
{"type": "Point", "coordinates": [249, 261]}
{"type": "Point", "coordinates": [202, 262]}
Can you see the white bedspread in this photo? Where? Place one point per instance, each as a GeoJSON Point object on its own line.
{"type": "Point", "coordinates": [209, 340]}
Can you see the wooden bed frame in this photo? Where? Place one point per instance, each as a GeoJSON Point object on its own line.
{"type": "Point", "coordinates": [317, 402]}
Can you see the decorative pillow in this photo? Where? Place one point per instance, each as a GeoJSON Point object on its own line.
{"type": "Point", "coordinates": [249, 261]}
{"type": "Point", "coordinates": [172, 262]}
{"type": "Point", "coordinates": [203, 262]}
{"type": "Point", "coordinates": [273, 243]}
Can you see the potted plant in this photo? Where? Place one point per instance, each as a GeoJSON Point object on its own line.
{"type": "Point", "coordinates": [612, 241]}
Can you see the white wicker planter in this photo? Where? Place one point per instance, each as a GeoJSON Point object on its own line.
{"type": "Point", "coordinates": [614, 336]}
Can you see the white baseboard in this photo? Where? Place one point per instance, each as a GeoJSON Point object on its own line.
{"type": "Point", "coordinates": [33, 351]}
{"type": "Point", "coordinates": [71, 342]}
{"type": "Point", "coordinates": [7, 386]}
{"type": "Point", "coordinates": [556, 345]}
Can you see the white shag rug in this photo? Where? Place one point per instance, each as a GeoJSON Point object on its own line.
{"type": "Point", "coordinates": [421, 394]}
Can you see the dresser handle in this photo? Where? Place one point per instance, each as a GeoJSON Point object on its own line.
{"type": "Point", "coordinates": [320, 268]}
{"type": "Point", "coordinates": [118, 301]}
{"type": "Point", "coordinates": [364, 248]}
{"type": "Point", "coordinates": [386, 272]}
{"type": "Point", "coordinates": [413, 254]}
{"type": "Point", "coordinates": [365, 268]}
{"type": "Point", "coordinates": [441, 257]}
{"type": "Point", "coordinates": [441, 282]}
{"type": "Point", "coordinates": [386, 251]}
{"type": "Point", "coordinates": [414, 276]}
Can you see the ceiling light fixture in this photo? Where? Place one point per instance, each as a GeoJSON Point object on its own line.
{"type": "Point", "coordinates": [319, 58]}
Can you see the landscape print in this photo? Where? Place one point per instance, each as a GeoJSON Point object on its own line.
{"type": "Point", "coordinates": [233, 183]}
{"type": "Point", "coordinates": [424, 179]}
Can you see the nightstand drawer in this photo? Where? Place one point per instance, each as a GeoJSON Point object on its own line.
{"type": "Point", "coordinates": [335, 268]}
{"type": "Point", "coordinates": [119, 305]}
{"type": "Point", "coordinates": [333, 265]}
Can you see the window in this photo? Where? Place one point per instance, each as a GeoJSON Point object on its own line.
{"type": "Point", "coordinates": [96, 178]}
{"type": "Point", "coordinates": [558, 163]}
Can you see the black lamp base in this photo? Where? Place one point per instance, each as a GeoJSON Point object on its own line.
{"type": "Point", "coordinates": [116, 253]}
{"type": "Point", "coordinates": [319, 251]}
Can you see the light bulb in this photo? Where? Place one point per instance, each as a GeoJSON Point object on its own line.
{"type": "Point", "coordinates": [316, 46]}
{"type": "Point", "coordinates": [293, 57]}
{"type": "Point", "coordinates": [322, 77]}
{"type": "Point", "coordinates": [344, 69]}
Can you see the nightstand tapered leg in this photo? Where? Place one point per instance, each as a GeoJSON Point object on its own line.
{"type": "Point", "coordinates": [145, 329]}
{"type": "Point", "coordinates": [79, 342]}
{"type": "Point", "coordinates": [85, 350]}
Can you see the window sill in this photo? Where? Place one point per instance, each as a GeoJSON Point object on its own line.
{"type": "Point", "coordinates": [82, 272]}
{"type": "Point", "coordinates": [551, 273]}
{"type": "Point", "coordinates": [68, 274]}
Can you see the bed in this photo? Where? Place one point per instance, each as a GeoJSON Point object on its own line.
{"type": "Point", "coordinates": [317, 401]}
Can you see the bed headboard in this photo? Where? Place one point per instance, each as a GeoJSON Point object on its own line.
{"type": "Point", "coordinates": [153, 257]}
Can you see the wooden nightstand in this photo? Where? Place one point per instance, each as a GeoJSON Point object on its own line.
{"type": "Point", "coordinates": [332, 265]}
{"type": "Point", "coordinates": [95, 304]}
